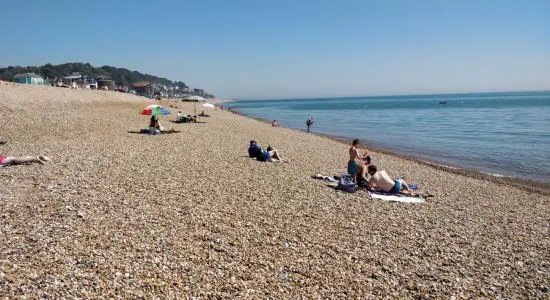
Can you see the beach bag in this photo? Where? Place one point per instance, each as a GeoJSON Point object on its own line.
{"type": "Point", "coordinates": [346, 184]}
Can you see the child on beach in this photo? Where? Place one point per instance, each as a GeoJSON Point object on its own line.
{"type": "Point", "coordinates": [21, 160]}
{"type": "Point", "coordinates": [353, 167]}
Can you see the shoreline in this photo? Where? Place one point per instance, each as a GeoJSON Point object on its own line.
{"type": "Point", "coordinates": [528, 185]}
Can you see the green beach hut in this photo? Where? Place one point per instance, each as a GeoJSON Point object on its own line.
{"type": "Point", "coordinates": [29, 78]}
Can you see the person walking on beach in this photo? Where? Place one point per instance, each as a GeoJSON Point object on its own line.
{"type": "Point", "coordinates": [309, 123]}
{"type": "Point", "coordinates": [22, 160]}
{"type": "Point", "coordinates": [381, 180]}
{"type": "Point", "coordinates": [353, 167]}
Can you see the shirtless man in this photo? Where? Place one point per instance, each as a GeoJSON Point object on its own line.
{"type": "Point", "coordinates": [362, 175]}
{"type": "Point", "coordinates": [353, 167]}
{"type": "Point", "coordinates": [380, 180]}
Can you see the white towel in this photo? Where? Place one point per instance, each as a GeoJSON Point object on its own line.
{"type": "Point", "coordinates": [399, 198]}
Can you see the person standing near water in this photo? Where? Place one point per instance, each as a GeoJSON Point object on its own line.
{"type": "Point", "coordinates": [309, 122]}
{"type": "Point", "coordinates": [353, 167]}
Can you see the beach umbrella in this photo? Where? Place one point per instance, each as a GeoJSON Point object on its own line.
{"type": "Point", "coordinates": [208, 105]}
{"type": "Point", "coordinates": [155, 110]}
{"type": "Point", "coordinates": [194, 99]}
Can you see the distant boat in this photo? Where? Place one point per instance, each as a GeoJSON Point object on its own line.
{"type": "Point", "coordinates": [442, 102]}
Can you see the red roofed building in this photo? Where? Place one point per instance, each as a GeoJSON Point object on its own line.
{"type": "Point", "coordinates": [143, 88]}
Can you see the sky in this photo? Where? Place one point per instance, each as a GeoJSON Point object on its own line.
{"type": "Point", "coordinates": [260, 49]}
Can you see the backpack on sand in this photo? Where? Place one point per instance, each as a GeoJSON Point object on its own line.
{"type": "Point", "coordinates": [346, 184]}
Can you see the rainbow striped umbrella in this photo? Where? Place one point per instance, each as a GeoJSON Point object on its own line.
{"type": "Point", "coordinates": [155, 110]}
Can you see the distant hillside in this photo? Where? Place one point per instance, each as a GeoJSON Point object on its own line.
{"type": "Point", "coordinates": [119, 75]}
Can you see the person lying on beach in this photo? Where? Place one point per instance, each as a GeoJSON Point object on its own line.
{"type": "Point", "coordinates": [254, 150]}
{"type": "Point", "coordinates": [353, 167]}
{"type": "Point", "coordinates": [363, 175]}
{"type": "Point", "coordinates": [22, 160]}
{"type": "Point", "coordinates": [380, 180]}
{"type": "Point", "coordinates": [270, 155]}
{"type": "Point", "coordinates": [267, 155]}
{"type": "Point", "coordinates": [203, 114]}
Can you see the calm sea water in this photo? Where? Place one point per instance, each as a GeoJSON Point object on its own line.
{"type": "Point", "coordinates": [499, 133]}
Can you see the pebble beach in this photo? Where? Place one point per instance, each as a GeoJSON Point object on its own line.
{"type": "Point", "coordinates": [118, 214]}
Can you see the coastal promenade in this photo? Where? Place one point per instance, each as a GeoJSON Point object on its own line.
{"type": "Point", "coordinates": [121, 214]}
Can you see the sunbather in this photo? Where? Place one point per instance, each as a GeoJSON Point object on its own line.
{"type": "Point", "coordinates": [381, 181]}
{"type": "Point", "coordinates": [21, 160]}
{"type": "Point", "coordinates": [154, 126]}
{"type": "Point", "coordinates": [363, 175]}
{"type": "Point", "coordinates": [269, 155]}
{"type": "Point", "coordinates": [254, 149]}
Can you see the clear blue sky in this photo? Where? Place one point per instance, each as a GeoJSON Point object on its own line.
{"type": "Point", "coordinates": [277, 49]}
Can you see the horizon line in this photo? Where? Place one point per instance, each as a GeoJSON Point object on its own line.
{"type": "Point", "coordinates": [390, 95]}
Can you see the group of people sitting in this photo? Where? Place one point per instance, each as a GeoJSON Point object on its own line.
{"type": "Point", "coordinates": [366, 174]}
{"type": "Point", "coordinates": [181, 118]}
{"type": "Point", "coordinates": [267, 155]}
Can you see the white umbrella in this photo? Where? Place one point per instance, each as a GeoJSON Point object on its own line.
{"type": "Point", "coordinates": [208, 105]}
{"type": "Point", "coordinates": [194, 98]}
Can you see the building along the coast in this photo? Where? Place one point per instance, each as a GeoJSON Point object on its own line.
{"type": "Point", "coordinates": [29, 78]}
{"type": "Point", "coordinates": [143, 88]}
{"type": "Point", "coordinates": [105, 83]}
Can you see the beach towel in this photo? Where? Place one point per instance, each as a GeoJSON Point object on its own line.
{"type": "Point", "coordinates": [326, 178]}
{"type": "Point", "coordinates": [148, 131]}
{"type": "Point", "coordinates": [397, 197]}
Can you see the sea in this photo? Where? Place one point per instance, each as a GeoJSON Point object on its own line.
{"type": "Point", "coordinates": [503, 134]}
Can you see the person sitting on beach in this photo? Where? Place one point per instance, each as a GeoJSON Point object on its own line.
{"type": "Point", "coordinates": [21, 160]}
{"type": "Point", "coordinates": [362, 174]}
{"type": "Point", "coordinates": [155, 127]}
{"type": "Point", "coordinates": [353, 167]}
{"type": "Point", "coordinates": [275, 123]}
{"type": "Point", "coordinates": [270, 155]}
{"type": "Point", "coordinates": [179, 117]}
{"type": "Point", "coordinates": [254, 150]}
{"type": "Point", "coordinates": [380, 180]}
